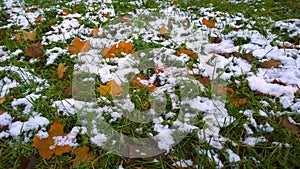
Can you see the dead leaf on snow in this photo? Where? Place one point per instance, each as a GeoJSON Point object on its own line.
{"type": "Point", "coordinates": [189, 52]}
{"type": "Point", "coordinates": [110, 87]}
{"type": "Point", "coordinates": [79, 46]}
{"type": "Point", "coordinates": [137, 81]}
{"type": "Point", "coordinates": [61, 70]}
{"type": "Point", "coordinates": [116, 49]}
{"type": "Point", "coordinates": [209, 23]}
{"type": "Point", "coordinates": [35, 50]}
{"type": "Point", "coordinates": [95, 32]}
{"type": "Point", "coordinates": [83, 155]}
{"type": "Point", "coordinates": [65, 12]}
{"type": "Point", "coordinates": [269, 64]}
{"type": "Point", "coordinates": [204, 80]}
{"type": "Point", "coordinates": [292, 128]}
{"type": "Point", "coordinates": [46, 146]}
{"type": "Point", "coordinates": [163, 31]}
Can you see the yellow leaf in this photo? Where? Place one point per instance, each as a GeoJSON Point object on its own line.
{"type": "Point", "coordinates": [61, 70]}
{"type": "Point", "coordinates": [110, 87]}
{"type": "Point", "coordinates": [46, 146]}
{"type": "Point", "coordinates": [2, 99]}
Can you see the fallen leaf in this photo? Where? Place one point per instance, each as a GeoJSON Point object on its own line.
{"type": "Point", "coordinates": [139, 81]}
{"type": "Point", "coordinates": [116, 49]}
{"type": "Point", "coordinates": [25, 36]}
{"type": "Point", "coordinates": [189, 52]}
{"type": "Point", "coordinates": [175, 2]}
{"type": "Point", "coordinates": [82, 156]}
{"type": "Point", "coordinates": [2, 99]}
{"type": "Point", "coordinates": [105, 14]}
{"type": "Point", "coordinates": [61, 70]}
{"type": "Point", "coordinates": [38, 19]}
{"type": "Point", "coordinates": [209, 23]}
{"type": "Point", "coordinates": [163, 31]}
{"type": "Point", "coordinates": [46, 146]}
{"type": "Point", "coordinates": [292, 128]}
{"type": "Point", "coordinates": [95, 32]}
{"type": "Point", "coordinates": [35, 50]}
{"type": "Point", "coordinates": [270, 63]}
{"type": "Point", "coordinates": [110, 87]}
{"type": "Point", "coordinates": [79, 46]}
{"type": "Point", "coordinates": [67, 93]}
{"type": "Point", "coordinates": [170, 25]}
{"type": "Point", "coordinates": [297, 93]}
{"type": "Point", "coordinates": [215, 39]}
{"type": "Point", "coordinates": [28, 163]}
{"type": "Point", "coordinates": [65, 12]}
{"type": "Point", "coordinates": [239, 101]}
{"type": "Point", "coordinates": [30, 10]}
{"type": "Point", "coordinates": [204, 80]}
{"type": "Point", "coordinates": [2, 111]}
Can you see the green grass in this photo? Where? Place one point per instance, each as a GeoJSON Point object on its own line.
{"type": "Point", "coordinates": [270, 156]}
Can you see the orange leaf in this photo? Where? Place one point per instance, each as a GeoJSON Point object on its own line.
{"type": "Point", "coordinates": [95, 32]}
{"type": "Point", "coordinates": [209, 23]}
{"type": "Point", "coordinates": [110, 87]}
{"type": "Point", "coordinates": [175, 2]}
{"type": "Point", "coordinates": [46, 146]}
{"type": "Point", "coordinates": [25, 36]}
{"type": "Point", "coordinates": [35, 50]}
{"type": "Point", "coordinates": [61, 70]}
{"type": "Point", "coordinates": [82, 156]}
{"type": "Point", "coordinates": [79, 46]}
{"type": "Point", "coordinates": [65, 12]}
{"type": "Point", "coordinates": [114, 50]}
{"type": "Point", "coordinates": [204, 80]}
{"type": "Point", "coordinates": [189, 52]}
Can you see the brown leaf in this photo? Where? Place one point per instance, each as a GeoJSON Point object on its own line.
{"type": "Point", "coordinates": [2, 99]}
{"type": "Point", "coordinates": [25, 36]}
{"type": "Point", "coordinates": [175, 2]}
{"type": "Point", "coordinates": [67, 93]}
{"type": "Point", "coordinates": [65, 12]}
{"type": "Point", "coordinates": [110, 87]}
{"type": "Point", "coordinates": [204, 80]}
{"type": "Point", "coordinates": [82, 156]}
{"type": "Point", "coordinates": [35, 50]}
{"type": "Point", "coordinates": [209, 23]}
{"type": "Point", "coordinates": [269, 64]}
{"type": "Point", "coordinates": [46, 146]}
{"type": "Point", "coordinates": [79, 46]}
{"type": "Point", "coordinates": [239, 101]}
{"type": "Point", "coordinates": [170, 25]}
{"type": "Point", "coordinates": [297, 93]}
{"type": "Point", "coordinates": [215, 39]}
{"type": "Point", "coordinates": [116, 49]}
{"type": "Point", "coordinates": [292, 128]}
{"type": "Point", "coordinates": [61, 70]}
{"type": "Point", "coordinates": [163, 31]}
{"type": "Point", "coordinates": [189, 52]}
{"type": "Point", "coordinates": [28, 163]}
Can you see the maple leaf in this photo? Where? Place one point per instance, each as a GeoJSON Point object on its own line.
{"type": "Point", "coordinates": [79, 46]}
{"type": "Point", "coordinates": [61, 70]}
{"type": "Point", "coordinates": [189, 52]}
{"type": "Point", "coordinates": [82, 156]}
{"type": "Point", "coordinates": [25, 36]}
{"type": "Point", "coordinates": [110, 87]}
{"type": "Point", "coordinates": [116, 49]}
{"type": "Point", "coordinates": [35, 50]}
{"type": "Point", "coordinates": [209, 23]}
{"type": "Point", "coordinates": [269, 64]}
{"type": "Point", "coordinates": [46, 146]}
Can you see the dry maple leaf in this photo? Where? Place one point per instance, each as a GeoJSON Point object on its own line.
{"type": "Point", "coordinates": [61, 70]}
{"type": "Point", "coordinates": [189, 52]}
{"type": "Point", "coordinates": [79, 46]}
{"type": "Point", "coordinates": [269, 64]}
{"type": "Point", "coordinates": [82, 156]}
{"type": "Point", "coordinates": [35, 50]}
{"type": "Point", "coordinates": [46, 146]}
{"type": "Point", "coordinates": [209, 23]}
{"type": "Point", "coordinates": [116, 49]}
{"type": "Point", "coordinates": [25, 36]}
{"type": "Point", "coordinates": [292, 128]}
{"type": "Point", "coordinates": [110, 87]}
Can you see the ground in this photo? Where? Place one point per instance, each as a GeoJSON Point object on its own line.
{"type": "Point", "coordinates": [149, 84]}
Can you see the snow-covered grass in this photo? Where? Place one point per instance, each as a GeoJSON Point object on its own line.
{"type": "Point", "coordinates": [244, 131]}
